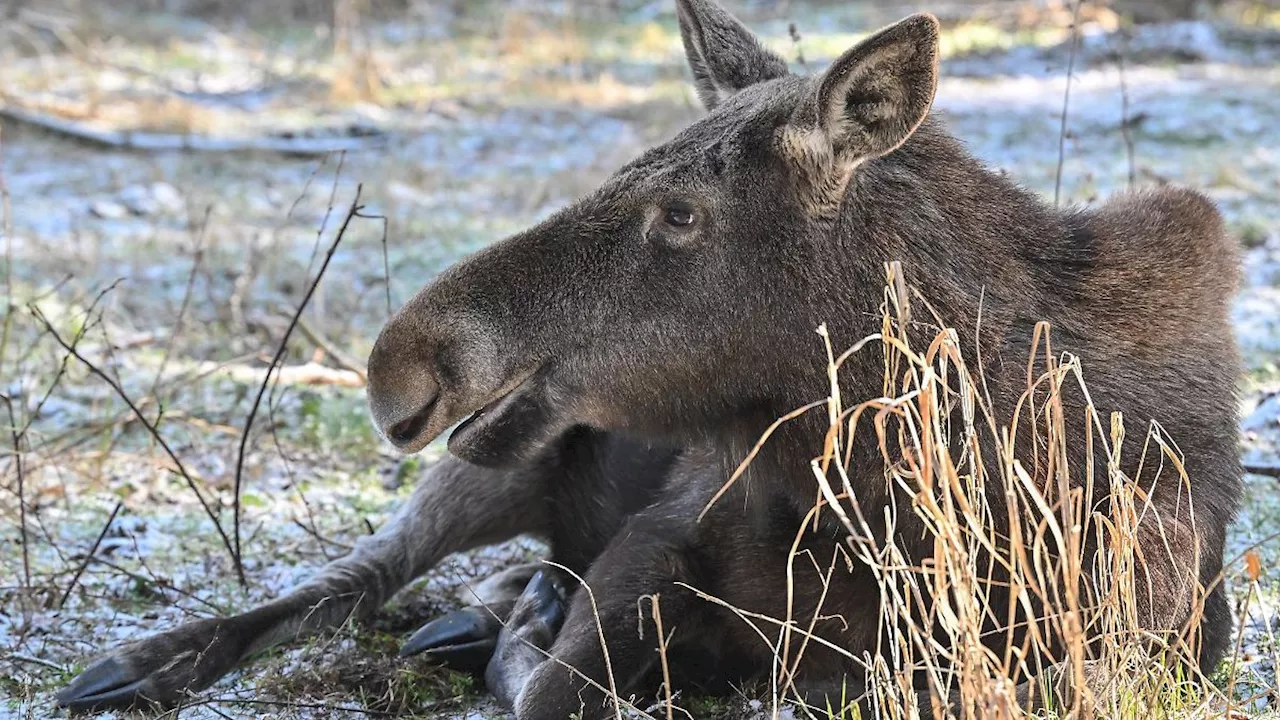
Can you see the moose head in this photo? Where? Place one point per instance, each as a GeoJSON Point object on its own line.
{"type": "Point", "coordinates": [671, 298]}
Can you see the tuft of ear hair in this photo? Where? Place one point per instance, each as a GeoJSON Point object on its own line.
{"type": "Point", "coordinates": [875, 95]}
{"type": "Point", "coordinates": [724, 55]}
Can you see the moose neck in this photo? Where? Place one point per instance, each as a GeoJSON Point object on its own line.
{"type": "Point", "coordinates": [928, 205]}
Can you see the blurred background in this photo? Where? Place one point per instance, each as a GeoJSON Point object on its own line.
{"type": "Point", "coordinates": [173, 175]}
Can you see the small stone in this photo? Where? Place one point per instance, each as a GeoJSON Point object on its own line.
{"type": "Point", "coordinates": [139, 201]}
{"type": "Point", "coordinates": [168, 198]}
{"type": "Point", "coordinates": [108, 209]}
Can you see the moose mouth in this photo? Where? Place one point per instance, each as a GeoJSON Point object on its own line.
{"type": "Point", "coordinates": [460, 430]}
{"type": "Point", "coordinates": [414, 432]}
{"type": "Point", "coordinates": [507, 427]}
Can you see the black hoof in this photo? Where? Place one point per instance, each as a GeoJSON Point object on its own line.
{"type": "Point", "coordinates": [463, 640]}
{"type": "Point", "coordinates": [105, 685]}
{"type": "Point", "coordinates": [546, 597]}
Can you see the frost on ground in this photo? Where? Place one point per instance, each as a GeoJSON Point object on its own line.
{"type": "Point", "coordinates": [213, 251]}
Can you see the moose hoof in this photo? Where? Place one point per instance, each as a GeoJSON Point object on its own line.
{"type": "Point", "coordinates": [463, 640]}
{"type": "Point", "coordinates": [162, 669]}
{"type": "Point", "coordinates": [542, 602]}
{"type": "Point", "coordinates": [535, 621]}
{"type": "Point", "coordinates": [107, 684]}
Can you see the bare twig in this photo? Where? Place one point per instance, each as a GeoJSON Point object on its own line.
{"type": "Point", "coordinates": [794, 32]}
{"type": "Point", "coordinates": [1125, 130]}
{"type": "Point", "coordinates": [386, 264]}
{"type": "Point", "coordinates": [1264, 470]}
{"type": "Point", "coordinates": [319, 294]}
{"type": "Point", "coordinates": [161, 583]}
{"type": "Point", "coordinates": [89, 555]}
{"type": "Point", "coordinates": [196, 261]}
{"type": "Point", "coordinates": [329, 709]}
{"type": "Point", "coordinates": [22, 493]}
{"type": "Point", "coordinates": [1066, 101]}
{"type": "Point", "coordinates": [663, 641]}
{"type": "Point", "coordinates": [275, 360]}
{"type": "Point", "coordinates": [151, 141]}
{"type": "Point", "coordinates": [340, 356]}
{"type": "Point", "coordinates": [155, 434]}
{"type": "Point", "coordinates": [328, 211]}
{"type": "Point", "coordinates": [85, 327]}
{"type": "Point", "coordinates": [6, 227]}
{"type": "Point", "coordinates": [307, 330]}
{"type": "Point", "coordinates": [20, 657]}
{"type": "Point", "coordinates": [305, 187]}
{"type": "Point", "coordinates": [309, 528]}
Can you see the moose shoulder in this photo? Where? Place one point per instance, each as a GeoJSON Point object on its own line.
{"type": "Point", "coordinates": [609, 368]}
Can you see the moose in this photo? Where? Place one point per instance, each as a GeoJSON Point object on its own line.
{"type": "Point", "coordinates": [609, 368]}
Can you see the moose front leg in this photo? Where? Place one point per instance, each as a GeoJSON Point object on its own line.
{"type": "Point", "coordinates": [543, 671]}
{"type": "Point", "coordinates": [465, 639]}
{"type": "Point", "coordinates": [456, 507]}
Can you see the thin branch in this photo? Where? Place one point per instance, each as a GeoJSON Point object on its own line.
{"type": "Point", "coordinates": [309, 528]}
{"type": "Point", "coordinates": [6, 228]}
{"type": "Point", "coordinates": [1126, 130]}
{"type": "Point", "coordinates": [288, 216]}
{"type": "Point", "coordinates": [20, 657]}
{"type": "Point", "coordinates": [663, 642]}
{"type": "Point", "coordinates": [328, 211]}
{"type": "Point", "coordinates": [89, 324]}
{"type": "Point", "coordinates": [1066, 101]}
{"type": "Point", "coordinates": [794, 32]}
{"type": "Point", "coordinates": [328, 708]}
{"type": "Point", "coordinates": [161, 583]}
{"type": "Point", "coordinates": [275, 361]}
{"type": "Point", "coordinates": [155, 434]}
{"type": "Point", "coordinates": [196, 261]}
{"type": "Point", "coordinates": [88, 558]}
{"type": "Point", "coordinates": [1264, 470]}
{"type": "Point", "coordinates": [340, 356]}
{"type": "Point", "coordinates": [152, 141]}
{"type": "Point", "coordinates": [315, 251]}
{"type": "Point", "coordinates": [22, 493]}
{"type": "Point", "coordinates": [386, 263]}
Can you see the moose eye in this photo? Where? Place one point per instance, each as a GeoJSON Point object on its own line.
{"type": "Point", "coordinates": [678, 217]}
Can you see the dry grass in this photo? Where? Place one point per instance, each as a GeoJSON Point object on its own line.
{"type": "Point", "coordinates": [930, 424]}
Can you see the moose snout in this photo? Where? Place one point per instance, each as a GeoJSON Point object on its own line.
{"type": "Point", "coordinates": [403, 391]}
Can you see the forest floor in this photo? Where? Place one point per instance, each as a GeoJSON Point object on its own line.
{"type": "Point", "coordinates": [178, 272]}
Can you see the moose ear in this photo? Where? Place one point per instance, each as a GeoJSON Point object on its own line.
{"type": "Point", "coordinates": [724, 55]}
{"type": "Point", "coordinates": [875, 95]}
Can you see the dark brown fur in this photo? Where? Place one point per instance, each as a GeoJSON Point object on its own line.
{"type": "Point", "coordinates": [611, 333]}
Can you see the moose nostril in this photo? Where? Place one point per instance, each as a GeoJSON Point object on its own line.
{"type": "Point", "coordinates": [408, 429]}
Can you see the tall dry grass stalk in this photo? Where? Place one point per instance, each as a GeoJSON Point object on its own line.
{"type": "Point", "coordinates": [946, 456]}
